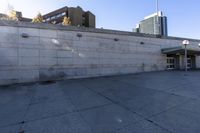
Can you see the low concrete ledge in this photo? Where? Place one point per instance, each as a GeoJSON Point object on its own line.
{"type": "Point", "coordinates": [84, 29]}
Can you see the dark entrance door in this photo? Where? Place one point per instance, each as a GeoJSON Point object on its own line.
{"type": "Point", "coordinates": [172, 62]}
{"type": "Point", "coordinates": [191, 62]}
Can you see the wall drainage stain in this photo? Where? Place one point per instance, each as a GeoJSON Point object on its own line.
{"type": "Point", "coordinates": [47, 82]}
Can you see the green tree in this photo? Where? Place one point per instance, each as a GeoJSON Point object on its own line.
{"type": "Point", "coordinates": [38, 18]}
{"type": "Point", "coordinates": [66, 21]}
{"type": "Point", "coordinates": [14, 15]}
{"type": "Point", "coordinates": [4, 17]}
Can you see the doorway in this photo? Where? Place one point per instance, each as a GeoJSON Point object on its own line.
{"type": "Point", "coordinates": [191, 63]}
{"type": "Point", "coordinates": [170, 63]}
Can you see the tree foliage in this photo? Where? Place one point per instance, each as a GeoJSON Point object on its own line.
{"type": "Point", "coordinates": [38, 18]}
{"type": "Point", "coordinates": [4, 17]}
{"type": "Point", "coordinates": [66, 21]}
{"type": "Point", "coordinates": [13, 15]}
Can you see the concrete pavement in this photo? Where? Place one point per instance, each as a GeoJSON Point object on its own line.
{"type": "Point", "coordinates": [156, 102]}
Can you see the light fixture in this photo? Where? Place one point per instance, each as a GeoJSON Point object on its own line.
{"type": "Point", "coordinates": [116, 39]}
{"type": "Point", "coordinates": [142, 43]}
{"type": "Point", "coordinates": [185, 42]}
{"type": "Point", "coordinates": [79, 35]}
{"type": "Point", "coordinates": [24, 35]}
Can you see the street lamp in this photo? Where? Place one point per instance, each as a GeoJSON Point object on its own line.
{"type": "Point", "coordinates": [185, 43]}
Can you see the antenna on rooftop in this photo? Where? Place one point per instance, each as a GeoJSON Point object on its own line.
{"type": "Point", "coordinates": [9, 7]}
{"type": "Point", "coordinates": [157, 18]}
{"type": "Point", "coordinates": [157, 7]}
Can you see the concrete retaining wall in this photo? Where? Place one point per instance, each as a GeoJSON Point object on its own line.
{"type": "Point", "coordinates": [39, 52]}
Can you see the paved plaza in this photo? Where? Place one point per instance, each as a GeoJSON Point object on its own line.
{"type": "Point", "coordinates": [155, 102]}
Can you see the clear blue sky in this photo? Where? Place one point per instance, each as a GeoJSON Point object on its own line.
{"type": "Point", "coordinates": [183, 15]}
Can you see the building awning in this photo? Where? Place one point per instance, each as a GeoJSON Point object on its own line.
{"type": "Point", "coordinates": [181, 50]}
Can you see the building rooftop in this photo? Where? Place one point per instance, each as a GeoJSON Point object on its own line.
{"type": "Point", "coordinates": [86, 29]}
{"type": "Point", "coordinates": [55, 11]}
{"type": "Point", "coordinates": [159, 14]}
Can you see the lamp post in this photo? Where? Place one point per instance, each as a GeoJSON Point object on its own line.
{"type": "Point", "coordinates": [185, 43]}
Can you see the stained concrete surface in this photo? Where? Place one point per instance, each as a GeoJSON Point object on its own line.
{"type": "Point", "coordinates": [156, 102]}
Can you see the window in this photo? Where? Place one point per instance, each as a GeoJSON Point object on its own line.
{"type": "Point", "coordinates": [189, 62]}
{"type": "Point", "coordinates": [170, 63]}
{"type": "Point", "coordinates": [47, 19]}
{"type": "Point", "coordinates": [63, 14]}
{"type": "Point", "coordinates": [59, 15]}
{"type": "Point", "coordinates": [53, 17]}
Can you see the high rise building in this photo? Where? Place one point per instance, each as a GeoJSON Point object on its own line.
{"type": "Point", "coordinates": [77, 16]}
{"type": "Point", "coordinates": [153, 24]}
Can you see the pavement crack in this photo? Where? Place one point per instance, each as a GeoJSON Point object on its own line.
{"type": "Point", "coordinates": [22, 131]}
{"type": "Point", "coordinates": [126, 108]}
{"type": "Point", "coordinates": [158, 125]}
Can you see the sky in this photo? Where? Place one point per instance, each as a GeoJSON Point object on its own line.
{"type": "Point", "coordinates": [183, 15]}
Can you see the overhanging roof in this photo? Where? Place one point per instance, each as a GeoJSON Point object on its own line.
{"type": "Point", "coordinates": [181, 50]}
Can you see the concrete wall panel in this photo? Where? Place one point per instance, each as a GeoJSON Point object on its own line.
{"type": "Point", "coordinates": [55, 52]}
